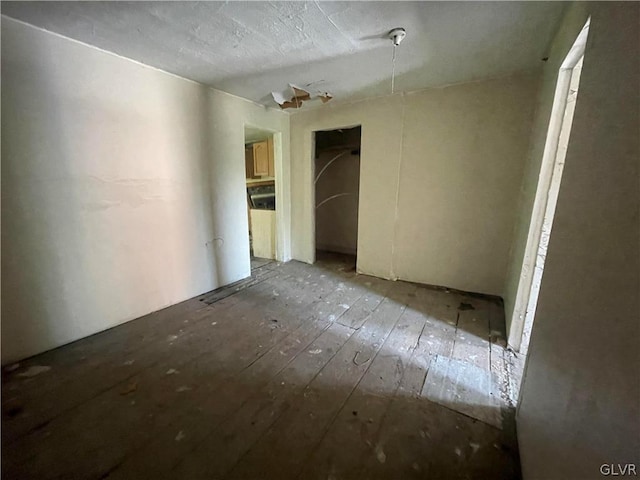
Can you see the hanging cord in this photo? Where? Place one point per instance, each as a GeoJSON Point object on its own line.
{"type": "Point", "coordinates": [396, 35]}
{"type": "Point", "coordinates": [393, 69]}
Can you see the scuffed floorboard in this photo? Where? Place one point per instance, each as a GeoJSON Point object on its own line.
{"type": "Point", "coordinates": [465, 388]}
{"type": "Point", "coordinates": [299, 372]}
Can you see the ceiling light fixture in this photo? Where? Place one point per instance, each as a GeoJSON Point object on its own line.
{"type": "Point", "coordinates": [396, 36]}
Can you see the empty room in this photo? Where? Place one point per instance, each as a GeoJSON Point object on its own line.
{"type": "Point", "coordinates": [320, 240]}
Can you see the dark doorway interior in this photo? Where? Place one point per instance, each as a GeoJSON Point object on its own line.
{"type": "Point", "coordinates": [337, 182]}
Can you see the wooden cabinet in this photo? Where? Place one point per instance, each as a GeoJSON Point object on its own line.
{"type": "Point", "coordinates": [263, 233]}
{"type": "Point", "coordinates": [248, 161]}
{"type": "Point", "coordinates": [259, 160]}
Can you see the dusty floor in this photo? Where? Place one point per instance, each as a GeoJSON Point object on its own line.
{"type": "Point", "coordinates": [309, 372]}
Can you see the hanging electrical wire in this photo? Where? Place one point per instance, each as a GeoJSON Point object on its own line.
{"type": "Point", "coordinates": [396, 36]}
{"type": "Point", "coordinates": [393, 70]}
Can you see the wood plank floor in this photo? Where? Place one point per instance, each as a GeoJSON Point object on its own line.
{"type": "Point", "coordinates": [301, 372]}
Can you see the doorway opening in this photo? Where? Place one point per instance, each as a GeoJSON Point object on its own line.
{"type": "Point", "coordinates": [337, 186]}
{"type": "Point", "coordinates": [555, 149]}
{"type": "Point", "coordinates": [261, 195]}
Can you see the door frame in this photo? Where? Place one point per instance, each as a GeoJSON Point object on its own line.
{"type": "Point", "coordinates": [312, 184]}
{"type": "Point", "coordinates": [544, 201]}
{"type": "Point", "coordinates": [283, 253]}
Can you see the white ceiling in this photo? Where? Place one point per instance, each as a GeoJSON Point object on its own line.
{"type": "Point", "coordinates": [252, 48]}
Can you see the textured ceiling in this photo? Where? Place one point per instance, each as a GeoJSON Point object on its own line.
{"type": "Point", "coordinates": [251, 49]}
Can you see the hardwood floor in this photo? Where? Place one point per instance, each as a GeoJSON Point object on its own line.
{"type": "Point", "coordinates": [301, 372]}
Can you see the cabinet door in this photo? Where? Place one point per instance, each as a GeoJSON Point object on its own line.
{"type": "Point", "coordinates": [263, 233]}
{"type": "Point", "coordinates": [248, 162]}
{"type": "Point", "coordinates": [261, 159]}
{"type": "Point", "coordinates": [272, 171]}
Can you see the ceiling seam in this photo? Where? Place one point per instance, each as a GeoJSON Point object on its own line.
{"type": "Point", "coordinates": [334, 25]}
{"type": "Point", "coordinates": [253, 32]}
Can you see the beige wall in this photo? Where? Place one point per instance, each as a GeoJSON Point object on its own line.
{"type": "Point", "coordinates": [464, 150]}
{"type": "Point", "coordinates": [379, 159]}
{"type": "Point", "coordinates": [228, 116]}
{"type": "Point", "coordinates": [122, 189]}
{"type": "Point", "coordinates": [580, 397]}
{"type": "Point", "coordinates": [439, 180]}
